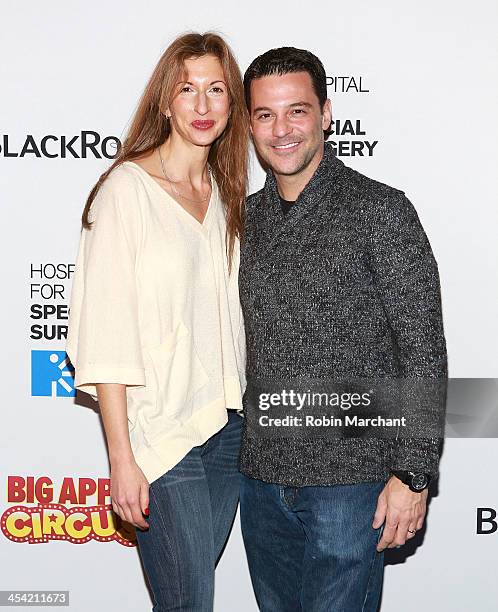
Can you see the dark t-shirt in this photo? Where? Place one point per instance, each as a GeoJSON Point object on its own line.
{"type": "Point", "coordinates": [285, 204]}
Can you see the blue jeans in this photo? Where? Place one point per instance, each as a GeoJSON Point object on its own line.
{"type": "Point", "coordinates": [312, 549]}
{"type": "Point", "coordinates": [191, 511]}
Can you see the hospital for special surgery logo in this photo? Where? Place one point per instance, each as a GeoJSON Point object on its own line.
{"type": "Point", "coordinates": [52, 374]}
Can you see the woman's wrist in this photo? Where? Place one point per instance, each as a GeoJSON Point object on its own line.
{"type": "Point", "coordinates": [120, 457]}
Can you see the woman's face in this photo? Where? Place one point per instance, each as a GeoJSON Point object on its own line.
{"type": "Point", "coordinates": [200, 109]}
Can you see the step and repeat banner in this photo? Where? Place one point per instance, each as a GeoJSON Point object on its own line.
{"type": "Point", "coordinates": [414, 98]}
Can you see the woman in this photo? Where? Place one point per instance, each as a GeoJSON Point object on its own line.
{"type": "Point", "coordinates": [156, 332]}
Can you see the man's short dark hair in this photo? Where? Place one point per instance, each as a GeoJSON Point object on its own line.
{"type": "Point", "coordinates": [285, 60]}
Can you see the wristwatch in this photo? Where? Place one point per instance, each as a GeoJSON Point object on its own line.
{"type": "Point", "coordinates": [417, 481]}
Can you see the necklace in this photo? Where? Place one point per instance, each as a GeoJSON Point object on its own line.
{"type": "Point", "coordinates": [174, 189]}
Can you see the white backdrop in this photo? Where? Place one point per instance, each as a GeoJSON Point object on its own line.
{"type": "Point", "coordinates": [428, 71]}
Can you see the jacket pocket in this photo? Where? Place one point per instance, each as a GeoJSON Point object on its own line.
{"type": "Point", "coordinates": [175, 374]}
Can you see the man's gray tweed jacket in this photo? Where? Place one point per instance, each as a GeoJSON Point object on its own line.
{"type": "Point", "coordinates": [345, 284]}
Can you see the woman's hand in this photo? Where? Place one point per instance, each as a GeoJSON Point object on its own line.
{"type": "Point", "coordinates": [129, 487]}
{"type": "Point", "coordinates": [130, 493]}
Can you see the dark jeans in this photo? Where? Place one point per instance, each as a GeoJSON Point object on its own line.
{"type": "Point", "coordinates": [312, 549]}
{"type": "Point", "coordinates": [192, 508]}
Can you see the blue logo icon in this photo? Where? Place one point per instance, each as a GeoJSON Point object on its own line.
{"type": "Point", "coordinates": [52, 374]}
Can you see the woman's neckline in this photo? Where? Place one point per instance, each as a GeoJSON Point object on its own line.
{"type": "Point", "coordinates": [170, 198]}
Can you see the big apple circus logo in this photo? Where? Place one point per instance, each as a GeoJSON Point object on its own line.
{"type": "Point", "coordinates": [65, 514]}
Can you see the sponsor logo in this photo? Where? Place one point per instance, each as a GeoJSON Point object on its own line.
{"type": "Point", "coordinates": [346, 84]}
{"type": "Point", "coordinates": [49, 283]}
{"type": "Point", "coordinates": [52, 374]}
{"type": "Point", "coordinates": [41, 513]}
{"type": "Point", "coordinates": [486, 521]}
{"type": "Point", "coordinates": [345, 141]}
{"type": "Point", "coordinates": [85, 144]}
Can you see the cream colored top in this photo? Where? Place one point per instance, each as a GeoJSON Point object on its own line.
{"type": "Point", "coordinates": [153, 307]}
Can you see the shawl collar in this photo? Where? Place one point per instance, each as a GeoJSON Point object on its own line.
{"type": "Point", "coordinates": [273, 221]}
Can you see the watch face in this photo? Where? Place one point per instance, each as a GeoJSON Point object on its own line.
{"type": "Point", "coordinates": [419, 481]}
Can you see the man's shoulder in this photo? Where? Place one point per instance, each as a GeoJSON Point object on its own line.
{"type": "Point", "coordinates": [253, 199]}
{"type": "Point", "coordinates": [363, 190]}
{"type": "Point", "coordinates": [375, 200]}
{"type": "Point", "coordinates": [368, 188]}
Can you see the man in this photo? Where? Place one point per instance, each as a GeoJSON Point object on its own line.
{"type": "Point", "coordinates": [337, 279]}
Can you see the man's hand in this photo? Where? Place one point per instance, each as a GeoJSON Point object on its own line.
{"type": "Point", "coordinates": [402, 509]}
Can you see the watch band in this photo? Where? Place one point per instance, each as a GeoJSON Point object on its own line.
{"type": "Point", "coordinates": [416, 481]}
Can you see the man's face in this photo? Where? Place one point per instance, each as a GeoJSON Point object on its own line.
{"type": "Point", "coordinates": [287, 122]}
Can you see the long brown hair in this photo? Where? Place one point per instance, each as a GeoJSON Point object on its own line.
{"type": "Point", "coordinates": [149, 127]}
